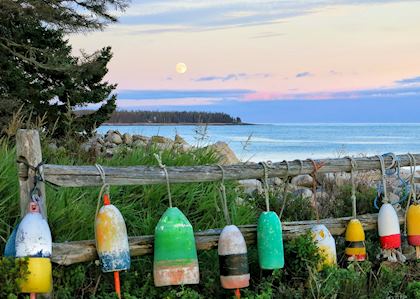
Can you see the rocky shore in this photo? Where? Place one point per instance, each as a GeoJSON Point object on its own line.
{"type": "Point", "coordinates": [300, 186]}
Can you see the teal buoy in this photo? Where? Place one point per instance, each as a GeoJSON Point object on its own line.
{"type": "Point", "coordinates": [270, 241]}
{"type": "Point", "coordinates": [175, 254]}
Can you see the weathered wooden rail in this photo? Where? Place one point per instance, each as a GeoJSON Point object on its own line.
{"type": "Point", "coordinates": [29, 153]}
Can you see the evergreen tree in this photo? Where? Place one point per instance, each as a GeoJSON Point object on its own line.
{"type": "Point", "coordinates": [37, 70]}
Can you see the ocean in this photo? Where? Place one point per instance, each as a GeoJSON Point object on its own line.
{"type": "Point", "coordinates": [277, 142]}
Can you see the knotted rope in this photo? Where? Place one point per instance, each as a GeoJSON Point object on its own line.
{"type": "Point", "coordinates": [168, 186]}
{"type": "Point", "coordinates": [412, 195]}
{"type": "Point", "coordinates": [316, 167]}
{"type": "Point", "coordinates": [266, 187]}
{"type": "Point", "coordinates": [104, 189]}
{"type": "Point", "coordinates": [383, 173]}
{"type": "Point", "coordinates": [286, 185]}
{"type": "Point", "coordinates": [223, 197]}
{"type": "Point", "coordinates": [353, 186]}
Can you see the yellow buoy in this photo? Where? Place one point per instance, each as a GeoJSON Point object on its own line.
{"type": "Point", "coordinates": [413, 227]}
{"type": "Point", "coordinates": [355, 241]}
{"type": "Point", "coordinates": [326, 245]}
{"type": "Point", "coordinates": [39, 279]}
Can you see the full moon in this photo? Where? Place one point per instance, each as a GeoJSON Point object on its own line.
{"type": "Point", "coordinates": [181, 68]}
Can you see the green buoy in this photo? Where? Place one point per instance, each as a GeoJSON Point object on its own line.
{"type": "Point", "coordinates": [175, 254]}
{"type": "Point", "coordinates": [270, 241]}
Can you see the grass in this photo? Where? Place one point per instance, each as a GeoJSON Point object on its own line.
{"type": "Point", "coordinates": [71, 213]}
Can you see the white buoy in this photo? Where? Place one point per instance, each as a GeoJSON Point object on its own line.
{"type": "Point", "coordinates": [389, 227]}
{"type": "Point", "coordinates": [326, 244]}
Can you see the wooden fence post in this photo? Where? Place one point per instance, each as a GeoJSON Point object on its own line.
{"type": "Point", "coordinates": [28, 150]}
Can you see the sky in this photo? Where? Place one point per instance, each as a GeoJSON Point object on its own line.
{"type": "Point", "coordinates": [267, 61]}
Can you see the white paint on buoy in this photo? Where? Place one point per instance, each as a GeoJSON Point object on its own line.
{"type": "Point", "coordinates": [388, 223]}
{"type": "Point", "coordinates": [325, 243]}
{"type": "Point", "coordinates": [231, 241]}
{"type": "Point", "coordinates": [33, 237]}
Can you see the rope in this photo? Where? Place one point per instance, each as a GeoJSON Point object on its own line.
{"type": "Point", "coordinates": [316, 167]}
{"type": "Point", "coordinates": [168, 186]}
{"type": "Point", "coordinates": [104, 189]}
{"type": "Point", "coordinates": [223, 196]}
{"type": "Point", "coordinates": [413, 190]}
{"type": "Point", "coordinates": [353, 185]}
{"type": "Point", "coordinates": [286, 185]}
{"type": "Point", "coordinates": [267, 197]}
{"type": "Point", "coordinates": [383, 172]}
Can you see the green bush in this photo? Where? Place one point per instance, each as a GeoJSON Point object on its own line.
{"type": "Point", "coordinates": [12, 273]}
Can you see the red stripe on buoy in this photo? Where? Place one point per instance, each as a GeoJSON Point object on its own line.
{"type": "Point", "coordinates": [357, 257]}
{"type": "Point", "coordinates": [391, 241]}
{"type": "Point", "coordinates": [414, 240]}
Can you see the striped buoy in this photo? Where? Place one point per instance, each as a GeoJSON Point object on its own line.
{"type": "Point", "coordinates": [233, 260]}
{"type": "Point", "coordinates": [388, 227]}
{"type": "Point", "coordinates": [33, 240]}
{"type": "Point", "coordinates": [270, 241]}
{"type": "Point", "coordinates": [355, 241]}
{"type": "Point", "coordinates": [326, 245]}
{"type": "Point", "coordinates": [175, 254]}
{"type": "Point", "coordinates": [413, 227]}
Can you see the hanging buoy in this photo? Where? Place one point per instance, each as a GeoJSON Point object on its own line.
{"type": "Point", "coordinates": [413, 227]}
{"type": "Point", "coordinates": [112, 241]}
{"type": "Point", "coordinates": [33, 240]}
{"type": "Point", "coordinates": [355, 241]}
{"type": "Point", "coordinates": [175, 254]}
{"type": "Point", "coordinates": [326, 245]}
{"type": "Point", "coordinates": [270, 241]}
{"type": "Point", "coordinates": [10, 248]}
{"type": "Point", "coordinates": [389, 227]}
{"type": "Point", "coordinates": [233, 260]}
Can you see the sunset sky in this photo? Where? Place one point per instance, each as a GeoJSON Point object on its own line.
{"type": "Point", "coordinates": [268, 61]}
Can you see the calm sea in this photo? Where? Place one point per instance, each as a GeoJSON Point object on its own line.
{"type": "Point", "coordinates": [277, 142]}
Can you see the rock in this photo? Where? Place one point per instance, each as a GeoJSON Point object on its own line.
{"type": "Point", "coordinates": [225, 153]}
{"type": "Point", "coordinates": [303, 192]}
{"type": "Point", "coordinates": [182, 148]}
{"type": "Point", "coordinates": [127, 139]}
{"type": "Point", "coordinates": [393, 198]}
{"type": "Point", "coordinates": [141, 137]}
{"type": "Point", "coordinates": [179, 140]}
{"type": "Point", "coordinates": [114, 137]}
{"type": "Point", "coordinates": [321, 195]}
{"type": "Point", "coordinates": [100, 140]}
{"type": "Point", "coordinates": [303, 180]}
{"type": "Point", "coordinates": [109, 152]}
{"type": "Point", "coordinates": [110, 144]}
{"type": "Point", "coordinates": [139, 143]}
{"type": "Point", "coordinates": [251, 186]}
{"type": "Point", "coordinates": [275, 181]}
{"type": "Point", "coordinates": [160, 139]}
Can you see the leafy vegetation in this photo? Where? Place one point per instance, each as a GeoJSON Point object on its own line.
{"type": "Point", "coordinates": [37, 70]}
{"type": "Point", "coordinates": [71, 216]}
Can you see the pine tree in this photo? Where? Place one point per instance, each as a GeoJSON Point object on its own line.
{"type": "Point", "coordinates": [37, 70]}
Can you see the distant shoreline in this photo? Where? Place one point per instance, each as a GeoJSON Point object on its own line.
{"type": "Point", "coordinates": [176, 124]}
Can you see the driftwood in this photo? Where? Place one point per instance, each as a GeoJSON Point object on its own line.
{"type": "Point", "coordinates": [78, 176]}
{"type": "Point", "coordinates": [82, 251]}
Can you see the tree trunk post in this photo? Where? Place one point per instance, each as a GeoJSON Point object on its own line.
{"type": "Point", "coordinates": [28, 150]}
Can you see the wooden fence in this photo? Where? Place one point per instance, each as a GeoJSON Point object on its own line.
{"type": "Point", "coordinates": [29, 154]}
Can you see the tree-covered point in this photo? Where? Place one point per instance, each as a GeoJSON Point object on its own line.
{"type": "Point", "coordinates": [188, 117]}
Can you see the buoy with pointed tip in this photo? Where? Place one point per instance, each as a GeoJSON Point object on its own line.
{"type": "Point", "coordinates": [112, 241]}
{"type": "Point", "coordinates": [175, 254]}
{"type": "Point", "coordinates": [270, 241]}
{"type": "Point", "coordinates": [355, 241]}
{"type": "Point", "coordinates": [233, 259]}
{"type": "Point", "coordinates": [413, 227]}
{"type": "Point", "coordinates": [326, 245]}
{"type": "Point", "coordinates": [33, 240]}
{"type": "Point", "coordinates": [389, 227]}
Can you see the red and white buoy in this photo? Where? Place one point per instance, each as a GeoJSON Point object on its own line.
{"type": "Point", "coordinates": [389, 227]}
